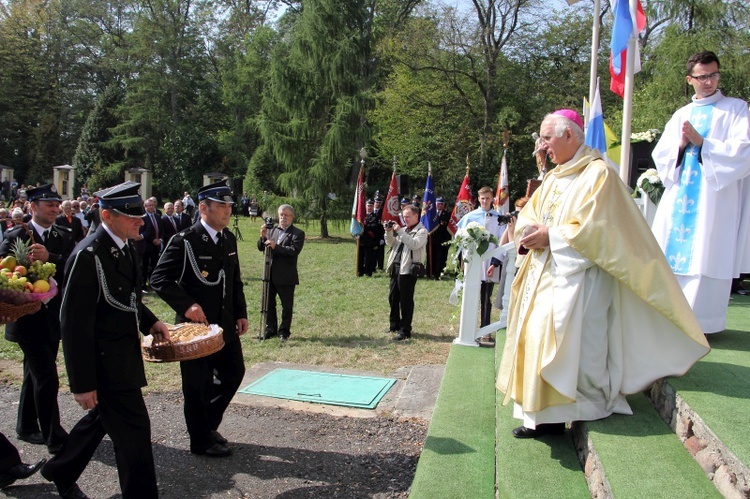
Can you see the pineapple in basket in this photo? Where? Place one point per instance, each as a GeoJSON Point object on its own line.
{"type": "Point", "coordinates": [19, 273]}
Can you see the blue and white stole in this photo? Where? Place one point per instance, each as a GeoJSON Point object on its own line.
{"type": "Point", "coordinates": [679, 250]}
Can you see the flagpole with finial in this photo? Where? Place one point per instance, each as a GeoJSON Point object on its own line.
{"type": "Point", "coordinates": [429, 235]}
{"type": "Point", "coordinates": [362, 156]}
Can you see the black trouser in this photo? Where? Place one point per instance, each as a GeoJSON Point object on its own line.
{"type": "Point", "coordinates": [123, 416]}
{"type": "Point", "coordinates": [401, 300]}
{"type": "Point", "coordinates": [205, 401]}
{"type": "Point", "coordinates": [37, 407]}
{"type": "Point", "coordinates": [286, 296]}
{"type": "Point", "coordinates": [485, 303]}
{"type": "Point", "coordinates": [9, 456]}
{"type": "Point", "coordinates": [380, 255]}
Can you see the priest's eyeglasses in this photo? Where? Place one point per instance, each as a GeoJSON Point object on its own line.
{"type": "Point", "coordinates": [705, 78]}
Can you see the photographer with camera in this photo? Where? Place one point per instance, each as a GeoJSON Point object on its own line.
{"type": "Point", "coordinates": [495, 224]}
{"type": "Point", "coordinates": [408, 248]}
{"type": "Point", "coordinates": [284, 242]}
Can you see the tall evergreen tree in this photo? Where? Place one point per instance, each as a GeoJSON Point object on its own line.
{"type": "Point", "coordinates": [313, 114]}
{"type": "Point", "coordinates": [96, 156]}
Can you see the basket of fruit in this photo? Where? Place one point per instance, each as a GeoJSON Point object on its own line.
{"type": "Point", "coordinates": [187, 341]}
{"type": "Point", "coordinates": [24, 285]}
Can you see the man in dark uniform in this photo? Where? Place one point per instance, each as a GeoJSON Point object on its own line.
{"type": "Point", "coordinates": [11, 466]}
{"type": "Point", "coordinates": [380, 252]}
{"type": "Point", "coordinates": [439, 237]}
{"type": "Point", "coordinates": [285, 243]}
{"type": "Point", "coordinates": [38, 334]}
{"type": "Point", "coordinates": [369, 241]}
{"type": "Point", "coordinates": [199, 277]}
{"type": "Point", "coordinates": [101, 314]}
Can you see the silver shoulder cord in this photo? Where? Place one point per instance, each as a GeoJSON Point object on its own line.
{"type": "Point", "coordinates": [197, 271]}
{"type": "Point", "coordinates": [133, 307]}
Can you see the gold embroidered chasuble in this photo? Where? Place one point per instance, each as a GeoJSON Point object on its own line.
{"type": "Point", "coordinates": [596, 233]}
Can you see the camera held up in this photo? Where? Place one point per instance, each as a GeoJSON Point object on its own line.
{"type": "Point", "coordinates": [269, 222]}
{"type": "Point", "coordinates": [506, 219]}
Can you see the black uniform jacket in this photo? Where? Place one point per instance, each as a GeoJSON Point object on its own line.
{"type": "Point", "coordinates": [100, 317]}
{"type": "Point", "coordinates": [193, 269]}
{"type": "Point", "coordinates": [284, 255]}
{"type": "Point", "coordinates": [37, 326]}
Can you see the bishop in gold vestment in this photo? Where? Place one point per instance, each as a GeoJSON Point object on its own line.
{"type": "Point", "coordinates": [596, 312]}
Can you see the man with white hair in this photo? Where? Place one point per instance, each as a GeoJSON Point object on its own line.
{"type": "Point", "coordinates": [596, 313]}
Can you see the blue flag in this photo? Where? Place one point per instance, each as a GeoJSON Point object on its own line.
{"type": "Point", "coordinates": [428, 205]}
{"type": "Point", "coordinates": [596, 138]}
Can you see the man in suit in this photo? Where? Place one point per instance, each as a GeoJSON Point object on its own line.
{"type": "Point", "coordinates": [101, 315]}
{"type": "Point", "coordinates": [182, 218]}
{"type": "Point", "coordinates": [149, 242]}
{"type": "Point", "coordinates": [199, 277]}
{"type": "Point", "coordinates": [69, 220]}
{"type": "Point", "coordinates": [38, 334]}
{"type": "Point", "coordinates": [284, 244]}
{"type": "Point", "coordinates": [169, 224]}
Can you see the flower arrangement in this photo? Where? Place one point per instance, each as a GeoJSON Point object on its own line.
{"type": "Point", "coordinates": [650, 183]}
{"type": "Point", "coordinates": [472, 239]}
{"type": "Point", "coordinates": [647, 136]}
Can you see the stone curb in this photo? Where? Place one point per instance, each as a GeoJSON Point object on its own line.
{"type": "Point", "coordinates": [724, 469]}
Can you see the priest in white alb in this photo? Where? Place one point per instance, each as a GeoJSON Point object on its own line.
{"type": "Point", "coordinates": [702, 157]}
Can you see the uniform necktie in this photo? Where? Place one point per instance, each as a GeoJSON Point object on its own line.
{"type": "Point", "coordinates": [220, 240]}
{"type": "Point", "coordinates": [45, 235]}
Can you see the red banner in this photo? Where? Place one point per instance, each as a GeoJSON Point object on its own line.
{"type": "Point", "coordinates": [392, 205]}
{"type": "Point", "coordinates": [464, 204]}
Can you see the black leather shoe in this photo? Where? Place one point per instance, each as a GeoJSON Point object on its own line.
{"type": "Point", "coordinates": [35, 437]}
{"type": "Point", "coordinates": [218, 437]}
{"type": "Point", "coordinates": [216, 450]}
{"type": "Point", "coordinates": [402, 336]}
{"type": "Point", "coordinates": [19, 472]}
{"type": "Point", "coordinates": [72, 492]}
{"type": "Point", "coordinates": [270, 334]}
{"type": "Point", "coordinates": [284, 339]}
{"type": "Point", "coordinates": [541, 429]}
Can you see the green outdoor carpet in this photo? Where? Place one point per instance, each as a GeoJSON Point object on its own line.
{"type": "Point", "coordinates": [534, 467]}
{"type": "Point", "coordinates": [324, 388]}
{"type": "Point", "coordinates": [458, 460]}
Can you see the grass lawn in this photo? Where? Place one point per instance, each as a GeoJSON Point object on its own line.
{"type": "Point", "coordinates": [339, 320]}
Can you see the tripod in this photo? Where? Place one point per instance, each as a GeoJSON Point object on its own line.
{"type": "Point", "coordinates": [236, 228]}
{"type": "Point", "coordinates": [266, 283]}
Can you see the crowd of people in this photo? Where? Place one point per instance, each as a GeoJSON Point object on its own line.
{"type": "Point", "coordinates": [191, 264]}
{"type": "Point", "coordinates": [587, 324]}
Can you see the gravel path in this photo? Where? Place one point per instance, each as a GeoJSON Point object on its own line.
{"type": "Point", "coordinates": [278, 453]}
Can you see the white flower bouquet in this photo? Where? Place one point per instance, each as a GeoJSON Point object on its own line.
{"type": "Point", "coordinates": [472, 239]}
{"type": "Point", "coordinates": [650, 183]}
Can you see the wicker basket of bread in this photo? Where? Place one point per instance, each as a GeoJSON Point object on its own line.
{"type": "Point", "coordinates": [187, 341]}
